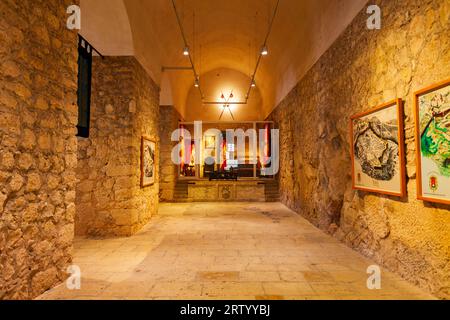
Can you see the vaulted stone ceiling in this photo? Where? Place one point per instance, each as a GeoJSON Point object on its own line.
{"type": "Point", "coordinates": [222, 35]}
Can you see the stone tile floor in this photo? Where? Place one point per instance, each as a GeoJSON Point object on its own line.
{"type": "Point", "coordinates": [232, 251]}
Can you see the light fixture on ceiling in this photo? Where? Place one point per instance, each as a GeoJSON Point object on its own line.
{"type": "Point", "coordinates": [186, 49]}
{"type": "Point", "coordinates": [226, 105]}
{"type": "Point", "coordinates": [264, 51]}
{"type": "Point", "coordinates": [186, 52]}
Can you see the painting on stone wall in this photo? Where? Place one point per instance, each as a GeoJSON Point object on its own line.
{"type": "Point", "coordinates": [432, 111]}
{"type": "Point", "coordinates": [148, 162]}
{"type": "Point", "coordinates": [378, 155]}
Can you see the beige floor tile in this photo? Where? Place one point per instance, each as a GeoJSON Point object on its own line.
{"type": "Point", "coordinates": [235, 251]}
{"type": "Point", "coordinates": [232, 289]}
{"type": "Point", "coordinates": [175, 289]}
{"type": "Point", "coordinates": [268, 298]}
{"type": "Point", "coordinates": [287, 288]}
{"type": "Point", "coordinates": [259, 276]}
{"type": "Point", "coordinates": [217, 276]}
{"type": "Point", "coordinates": [333, 288]}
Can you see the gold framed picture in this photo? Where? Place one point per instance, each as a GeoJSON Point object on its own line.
{"type": "Point", "coordinates": [210, 142]}
{"type": "Point", "coordinates": [432, 115]}
{"type": "Point", "coordinates": [148, 162]}
{"type": "Point", "coordinates": [378, 151]}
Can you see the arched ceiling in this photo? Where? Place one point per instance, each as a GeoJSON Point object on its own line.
{"type": "Point", "coordinates": [105, 24]}
{"type": "Point", "coordinates": [222, 34]}
{"type": "Point", "coordinates": [224, 81]}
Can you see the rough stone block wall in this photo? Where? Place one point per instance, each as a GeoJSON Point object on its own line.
{"type": "Point", "coordinates": [38, 114]}
{"type": "Point", "coordinates": [125, 106]}
{"type": "Point", "coordinates": [361, 70]}
{"type": "Point", "coordinates": [169, 119]}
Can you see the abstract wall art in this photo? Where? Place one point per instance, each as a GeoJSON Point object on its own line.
{"type": "Point", "coordinates": [377, 150]}
{"type": "Point", "coordinates": [432, 112]}
{"type": "Point", "coordinates": [148, 162]}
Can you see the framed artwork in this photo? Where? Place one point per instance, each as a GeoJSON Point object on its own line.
{"type": "Point", "coordinates": [432, 112]}
{"type": "Point", "coordinates": [210, 142]}
{"type": "Point", "coordinates": [148, 163]}
{"type": "Point", "coordinates": [378, 151]}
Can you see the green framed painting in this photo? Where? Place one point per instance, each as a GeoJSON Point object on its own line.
{"type": "Point", "coordinates": [432, 113]}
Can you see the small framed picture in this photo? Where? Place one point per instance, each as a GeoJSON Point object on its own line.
{"type": "Point", "coordinates": [210, 142]}
{"type": "Point", "coordinates": [148, 162]}
{"type": "Point", "coordinates": [432, 113]}
{"type": "Point", "coordinates": [378, 151]}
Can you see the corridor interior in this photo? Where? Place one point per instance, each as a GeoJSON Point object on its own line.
{"type": "Point", "coordinates": [224, 149]}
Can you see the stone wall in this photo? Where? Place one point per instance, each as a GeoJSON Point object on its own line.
{"type": "Point", "coordinates": [169, 119]}
{"type": "Point", "coordinates": [125, 106]}
{"type": "Point", "coordinates": [38, 114]}
{"type": "Point", "coordinates": [361, 70]}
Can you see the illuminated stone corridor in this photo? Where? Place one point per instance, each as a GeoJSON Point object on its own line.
{"type": "Point", "coordinates": [239, 251]}
{"type": "Point", "coordinates": [233, 150]}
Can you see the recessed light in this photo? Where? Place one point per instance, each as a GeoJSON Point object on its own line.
{"type": "Point", "coordinates": [264, 51]}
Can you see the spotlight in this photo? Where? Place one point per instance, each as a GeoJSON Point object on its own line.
{"type": "Point", "coordinates": [196, 83]}
{"type": "Point", "coordinates": [264, 51]}
{"type": "Point", "coordinates": [253, 83]}
{"type": "Point", "coordinates": [186, 51]}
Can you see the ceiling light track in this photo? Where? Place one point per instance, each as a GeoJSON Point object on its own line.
{"type": "Point", "coordinates": [186, 52]}
{"type": "Point", "coordinates": [163, 69]}
{"type": "Point", "coordinates": [264, 50]}
{"type": "Point", "coordinates": [230, 103]}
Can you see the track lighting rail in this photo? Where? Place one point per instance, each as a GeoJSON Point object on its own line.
{"type": "Point", "coordinates": [264, 52]}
